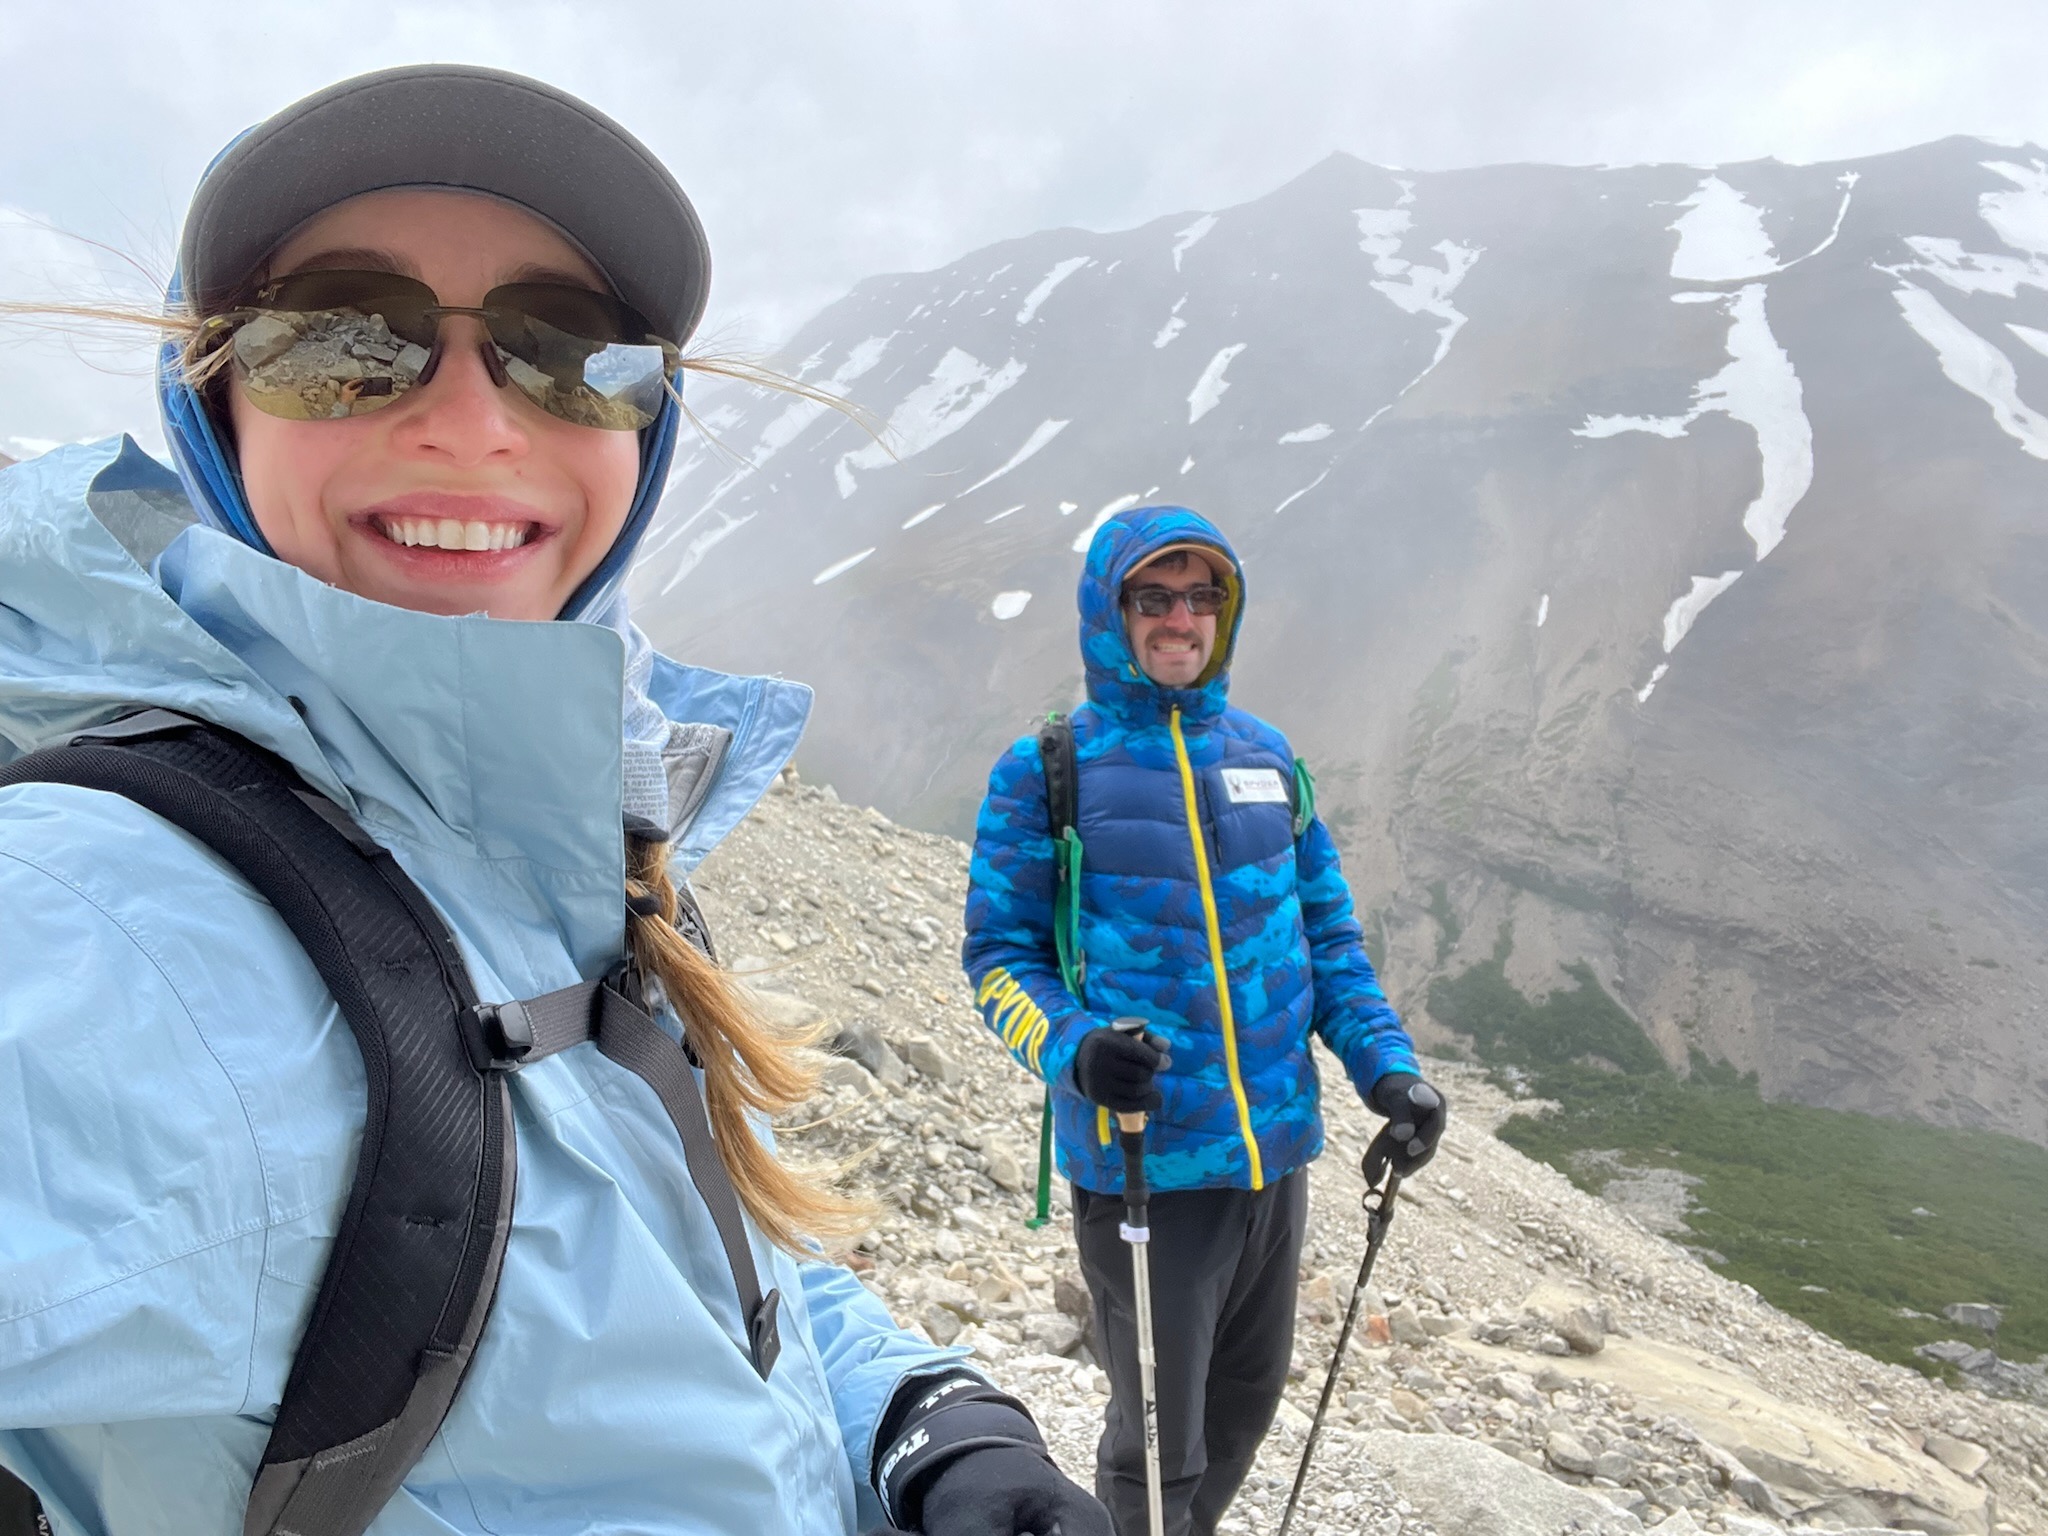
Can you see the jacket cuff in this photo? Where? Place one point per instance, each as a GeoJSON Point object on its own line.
{"type": "Point", "coordinates": [935, 1421]}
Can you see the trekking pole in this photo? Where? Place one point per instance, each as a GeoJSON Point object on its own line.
{"type": "Point", "coordinates": [1136, 1230]}
{"type": "Point", "coordinates": [1379, 1215]}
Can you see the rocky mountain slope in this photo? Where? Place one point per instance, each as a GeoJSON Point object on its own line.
{"type": "Point", "coordinates": [1535, 1361]}
{"type": "Point", "coordinates": [1649, 558]}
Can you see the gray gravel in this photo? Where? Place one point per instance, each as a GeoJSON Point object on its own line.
{"type": "Point", "coordinates": [1549, 1331]}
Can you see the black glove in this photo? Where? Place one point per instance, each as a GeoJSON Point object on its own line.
{"type": "Point", "coordinates": [1415, 1115]}
{"type": "Point", "coordinates": [1006, 1490]}
{"type": "Point", "coordinates": [1116, 1069]}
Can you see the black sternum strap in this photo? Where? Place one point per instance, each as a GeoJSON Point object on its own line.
{"type": "Point", "coordinates": [509, 1035]}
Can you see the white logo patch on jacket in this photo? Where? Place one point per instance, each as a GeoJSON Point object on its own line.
{"type": "Point", "coordinates": [1254, 786]}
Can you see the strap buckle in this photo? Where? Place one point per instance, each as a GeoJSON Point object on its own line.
{"type": "Point", "coordinates": [764, 1333]}
{"type": "Point", "coordinates": [499, 1036]}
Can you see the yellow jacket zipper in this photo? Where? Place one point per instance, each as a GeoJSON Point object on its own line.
{"type": "Point", "coordinates": [1244, 1112]}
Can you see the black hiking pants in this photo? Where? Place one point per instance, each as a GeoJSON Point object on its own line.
{"type": "Point", "coordinates": [1224, 1270]}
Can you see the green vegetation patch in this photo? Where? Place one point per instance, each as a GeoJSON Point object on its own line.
{"type": "Point", "coordinates": [1841, 1219]}
{"type": "Point", "coordinates": [1448, 927]}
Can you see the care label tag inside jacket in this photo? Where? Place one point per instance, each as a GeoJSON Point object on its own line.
{"type": "Point", "coordinates": [1255, 786]}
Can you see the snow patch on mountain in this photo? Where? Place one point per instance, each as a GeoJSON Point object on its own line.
{"type": "Point", "coordinates": [1109, 510]}
{"type": "Point", "coordinates": [1760, 389]}
{"type": "Point", "coordinates": [1209, 388]}
{"type": "Point", "coordinates": [1059, 274]}
{"type": "Point", "coordinates": [1291, 500]}
{"type": "Point", "coordinates": [1004, 513]}
{"type": "Point", "coordinates": [1187, 237]}
{"type": "Point", "coordinates": [1679, 617]}
{"type": "Point", "coordinates": [1721, 237]}
{"type": "Point", "coordinates": [1847, 182]}
{"type": "Point", "coordinates": [1174, 324]}
{"type": "Point", "coordinates": [799, 414]}
{"type": "Point", "coordinates": [918, 517]}
{"type": "Point", "coordinates": [959, 389]}
{"type": "Point", "coordinates": [1413, 287]}
{"type": "Point", "coordinates": [1657, 426]}
{"type": "Point", "coordinates": [1314, 434]}
{"type": "Point", "coordinates": [1542, 609]}
{"type": "Point", "coordinates": [2038, 340]}
{"type": "Point", "coordinates": [1009, 604]}
{"type": "Point", "coordinates": [1042, 434]}
{"type": "Point", "coordinates": [1975, 365]}
{"type": "Point", "coordinates": [702, 545]}
{"type": "Point", "coordinates": [2019, 217]}
{"type": "Point", "coordinates": [840, 567]}
{"type": "Point", "coordinates": [1643, 693]}
{"type": "Point", "coordinates": [1972, 271]}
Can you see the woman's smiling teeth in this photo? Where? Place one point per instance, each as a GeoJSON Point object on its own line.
{"type": "Point", "coordinates": [450, 533]}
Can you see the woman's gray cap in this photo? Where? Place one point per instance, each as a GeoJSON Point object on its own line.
{"type": "Point", "coordinates": [452, 125]}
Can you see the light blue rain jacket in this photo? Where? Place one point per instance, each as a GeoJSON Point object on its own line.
{"type": "Point", "coordinates": [180, 1100]}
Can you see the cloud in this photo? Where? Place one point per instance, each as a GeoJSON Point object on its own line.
{"type": "Point", "coordinates": [66, 379]}
{"type": "Point", "coordinates": [825, 142]}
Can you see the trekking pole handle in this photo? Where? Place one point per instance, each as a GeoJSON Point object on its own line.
{"type": "Point", "coordinates": [1130, 1125]}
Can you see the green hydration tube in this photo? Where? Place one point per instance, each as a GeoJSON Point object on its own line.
{"type": "Point", "coordinates": [1066, 938]}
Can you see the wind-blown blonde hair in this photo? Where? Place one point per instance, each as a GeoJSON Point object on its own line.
{"type": "Point", "coordinates": [750, 1068]}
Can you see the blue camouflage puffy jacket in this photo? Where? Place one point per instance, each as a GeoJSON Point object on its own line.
{"type": "Point", "coordinates": [1191, 873]}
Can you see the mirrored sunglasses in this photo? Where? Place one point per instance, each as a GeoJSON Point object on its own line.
{"type": "Point", "coordinates": [322, 346]}
{"type": "Point", "coordinates": [1156, 602]}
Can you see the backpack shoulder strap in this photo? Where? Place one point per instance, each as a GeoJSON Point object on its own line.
{"type": "Point", "coordinates": [1301, 797]}
{"type": "Point", "coordinates": [413, 1269]}
{"type": "Point", "coordinates": [1063, 810]}
{"type": "Point", "coordinates": [1062, 774]}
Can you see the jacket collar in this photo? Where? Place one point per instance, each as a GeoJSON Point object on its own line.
{"type": "Point", "coordinates": [467, 739]}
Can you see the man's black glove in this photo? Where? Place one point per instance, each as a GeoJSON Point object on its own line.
{"type": "Point", "coordinates": [1006, 1490]}
{"type": "Point", "coordinates": [1116, 1069]}
{"type": "Point", "coordinates": [1415, 1115]}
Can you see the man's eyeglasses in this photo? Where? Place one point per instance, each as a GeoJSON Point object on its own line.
{"type": "Point", "coordinates": [1156, 602]}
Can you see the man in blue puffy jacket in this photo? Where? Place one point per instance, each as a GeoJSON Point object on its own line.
{"type": "Point", "coordinates": [1211, 910]}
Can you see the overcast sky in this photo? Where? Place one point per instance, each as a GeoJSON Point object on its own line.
{"type": "Point", "coordinates": [826, 140]}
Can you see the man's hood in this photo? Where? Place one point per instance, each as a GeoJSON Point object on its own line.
{"type": "Point", "coordinates": [1116, 683]}
{"type": "Point", "coordinates": [454, 740]}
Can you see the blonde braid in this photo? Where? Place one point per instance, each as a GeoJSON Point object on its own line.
{"type": "Point", "coordinates": [750, 1067]}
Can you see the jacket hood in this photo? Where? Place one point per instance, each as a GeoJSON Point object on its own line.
{"type": "Point", "coordinates": [455, 741]}
{"type": "Point", "coordinates": [1116, 683]}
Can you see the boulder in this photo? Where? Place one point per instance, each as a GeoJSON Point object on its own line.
{"type": "Point", "coordinates": [928, 1059]}
{"type": "Point", "coordinates": [1406, 1323]}
{"type": "Point", "coordinates": [1975, 1314]}
{"type": "Point", "coordinates": [1568, 1453]}
{"type": "Point", "coordinates": [1052, 1332]}
{"type": "Point", "coordinates": [1407, 1404]}
{"type": "Point", "coordinates": [1004, 1169]}
{"type": "Point", "coordinates": [1464, 1488]}
{"type": "Point", "coordinates": [1516, 1388]}
{"type": "Point", "coordinates": [1317, 1299]}
{"type": "Point", "coordinates": [845, 1072]}
{"type": "Point", "coordinates": [1070, 1295]}
{"type": "Point", "coordinates": [1965, 1458]}
{"type": "Point", "coordinates": [785, 1010]}
{"type": "Point", "coordinates": [861, 1040]}
{"type": "Point", "coordinates": [1583, 1329]}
